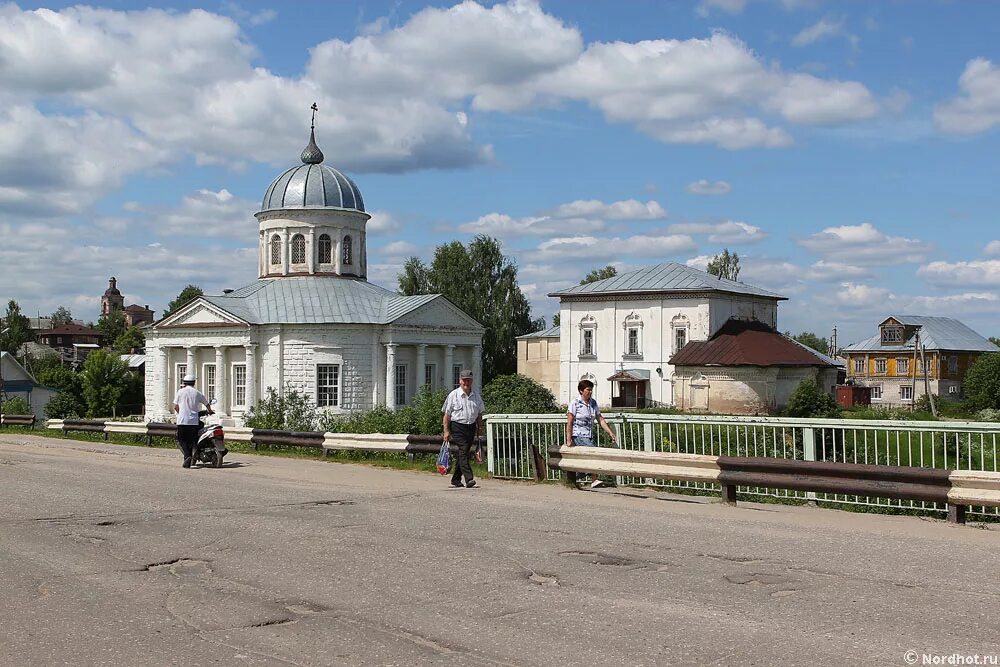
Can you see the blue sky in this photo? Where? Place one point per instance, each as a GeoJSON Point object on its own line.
{"type": "Point", "coordinates": [847, 151]}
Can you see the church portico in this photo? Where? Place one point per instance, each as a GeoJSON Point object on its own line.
{"type": "Point", "coordinates": [311, 323]}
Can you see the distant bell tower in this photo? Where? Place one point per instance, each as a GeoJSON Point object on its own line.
{"type": "Point", "coordinates": [112, 299]}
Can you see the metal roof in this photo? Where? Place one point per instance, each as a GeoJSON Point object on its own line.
{"type": "Point", "coordinates": [134, 360]}
{"type": "Point", "coordinates": [312, 185]}
{"type": "Point", "coordinates": [936, 333]}
{"type": "Point", "coordinates": [630, 375]}
{"type": "Point", "coordinates": [317, 300]}
{"type": "Point", "coordinates": [668, 277]}
{"type": "Point", "coordinates": [748, 343]}
{"type": "Point", "coordinates": [551, 332]}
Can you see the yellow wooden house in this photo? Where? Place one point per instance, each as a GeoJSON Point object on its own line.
{"type": "Point", "coordinates": [911, 354]}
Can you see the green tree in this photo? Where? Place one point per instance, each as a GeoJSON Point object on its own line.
{"type": "Point", "coordinates": [16, 329]}
{"type": "Point", "coordinates": [518, 394]}
{"type": "Point", "coordinates": [69, 401]}
{"type": "Point", "coordinates": [481, 281]}
{"type": "Point", "coordinates": [982, 382]}
{"type": "Point", "coordinates": [810, 339]}
{"type": "Point", "coordinates": [555, 320]}
{"type": "Point", "coordinates": [600, 274]}
{"type": "Point", "coordinates": [63, 406]}
{"type": "Point", "coordinates": [131, 341]}
{"type": "Point", "coordinates": [105, 378]}
{"type": "Point", "coordinates": [187, 294]}
{"type": "Point", "coordinates": [808, 400]}
{"type": "Point", "coordinates": [291, 411]}
{"type": "Point", "coordinates": [15, 406]}
{"type": "Point", "coordinates": [112, 326]}
{"type": "Point", "coordinates": [415, 278]}
{"type": "Point", "coordinates": [995, 340]}
{"type": "Point", "coordinates": [725, 265]}
{"type": "Point", "coordinates": [61, 317]}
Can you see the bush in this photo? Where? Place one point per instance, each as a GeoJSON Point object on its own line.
{"type": "Point", "coordinates": [291, 411]}
{"type": "Point", "coordinates": [63, 405]}
{"type": "Point", "coordinates": [807, 400]}
{"type": "Point", "coordinates": [15, 406]}
{"type": "Point", "coordinates": [517, 394]}
{"type": "Point", "coordinates": [982, 382]}
{"type": "Point", "coordinates": [422, 417]}
{"type": "Point", "coordinates": [105, 378]}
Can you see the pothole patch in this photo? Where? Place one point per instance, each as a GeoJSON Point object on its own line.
{"type": "Point", "coordinates": [83, 538]}
{"type": "Point", "coordinates": [596, 558]}
{"type": "Point", "coordinates": [762, 578]}
{"type": "Point", "coordinates": [543, 579]}
{"type": "Point", "coordinates": [181, 567]}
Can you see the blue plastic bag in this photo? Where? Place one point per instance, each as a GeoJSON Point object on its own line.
{"type": "Point", "coordinates": [444, 458]}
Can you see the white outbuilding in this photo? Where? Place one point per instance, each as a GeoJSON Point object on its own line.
{"type": "Point", "coordinates": [311, 322]}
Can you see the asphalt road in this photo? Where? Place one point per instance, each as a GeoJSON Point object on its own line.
{"type": "Point", "coordinates": [113, 555]}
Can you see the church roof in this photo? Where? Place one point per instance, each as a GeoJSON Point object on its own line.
{"type": "Point", "coordinates": [667, 277]}
{"type": "Point", "coordinates": [318, 300]}
{"type": "Point", "coordinates": [748, 343]}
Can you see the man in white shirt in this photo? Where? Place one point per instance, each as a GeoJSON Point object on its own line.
{"type": "Point", "coordinates": [187, 403]}
{"type": "Point", "coordinates": [462, 423]}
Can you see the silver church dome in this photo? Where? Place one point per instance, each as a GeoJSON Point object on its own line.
{"type": "Point", "coordinates": [312, 185]}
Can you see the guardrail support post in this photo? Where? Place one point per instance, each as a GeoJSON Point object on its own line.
{"type": "Point", "coordinates": [647, 444]}
{"type": "Point", "coordinates": [956, 514]}
{"type": "Point", "coordinates": [809, 454]}
{"type": "Point", "coordinates": [489, 448]}
{"type": "Point", "coordinates": [729, 494]}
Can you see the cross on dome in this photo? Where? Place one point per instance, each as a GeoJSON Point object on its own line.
{"type": "Point", "coordinates": [311, 154]}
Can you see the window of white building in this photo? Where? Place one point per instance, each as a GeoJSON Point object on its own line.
{"type": "Point", "coordinates": [588, 338]}
{"type": "Point", "coordinates": [182, 370]}
{"type": "Point", "coordinates": [430, 371]}
{"type": "Point", "coordinates": [325, 249]}
{"type": "Point", "coordinates": [456, 370]}
{"type": "Point", "coordinates": [348, 251]}
{"type": "Point", "coordinates": [633, 335]}
{"type": "Point", "coordinates": [906, 392]}
{"type": "Point", "coordinates": [400, 384]}
{"type": "Point", "coordinates": [877, 392]}
{"type": "Point", "coordinates": [327, 385]}
{"type": "Point", "coordinates": [239, 385]}
{"type": "Point", "coordinates": [298, 249]}
{"type": "Point", "coordinates": [275, 250]}
{"type": "Point", "coordinates": [680, 327]}
{"type": "Point", "coordinates": [208, 381]}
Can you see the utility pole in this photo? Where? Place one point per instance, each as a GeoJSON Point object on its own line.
{"type": "Point", "coordinates": [833, 342]}
{"type": "Point", "coordinates": [927, 383]}
{"type": "Point", "coordinates": [913, 375]}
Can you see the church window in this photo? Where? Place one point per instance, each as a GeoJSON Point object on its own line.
{"type": "Point", "coordinates": [348, 251]}
{"type": "Point", "coordinates": [633, 335]}
{"type": "Point", "coordinates": [325, 249]}
{"type": "Point", "coordinates": [400, 384]}
{"type": "Point", "coordinates": [328, 385]}
{"type": "Point", "coordinates": [588, 342]}
{"type": "Point", "coordinates": [239, 385]}
{"type": "Point", "coordinates": [680, 338]}
{"type": "Point", "coordinates": [588, 329]}
{"type": "Point", "coordinates": [298, 249]}
{"type": "Point", "coordinates": [680, 327]}
{"type": "Point", "coordinates": [208, 372]}
{"type": "Point", "coordinates": [275, 250]}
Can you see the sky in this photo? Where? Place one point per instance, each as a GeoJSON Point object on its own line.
{"type": "Point", "coordinates": [848, 152]}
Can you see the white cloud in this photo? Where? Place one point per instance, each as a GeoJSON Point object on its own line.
{"type": "Point", "coordinates": [992, 248]}
{"type": "Point", "coordinates": [728, 231]}
{"type": "Point", "coordinates": [863, 296]}
{"type": "Point", "coordinates": [822, 29]}
{"type": "Point", "coordinates": [827, 271]}
{"type": "Point", "coordinates": [205, 213]}
{"type": "Point", "coordinates": [977, 107]}
{"type": "Point", "coordinates": [705, 187]}
{"type": "Point", "coordinates": [864, 244]}
{"type": "Point", "coordinates": [706, 7]}
{"type": "Point", "coordinates": [980, 273]}
{"type": "Point", "coordinates": [809, 100]}
{"type": "Point", "coordinates": [608, 250]}
{"type": "Point", "coordinates": [398, 249]}
{"type": "Point", "coordinates": [381, 222]}
{"type": "Point", "coordinates": [581, 216]}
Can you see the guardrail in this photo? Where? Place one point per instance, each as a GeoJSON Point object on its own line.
{"type": "Point", "coordinates": [945, 445]}
{"type": "Point", "coordinates": [957, 489]}
{"type": "Point", "coordinates": [18, 420]}
{"type": "Point", "coordinates": [328, 442]}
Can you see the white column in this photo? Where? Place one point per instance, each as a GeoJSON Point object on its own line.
{"type": "Point", "coordinates": [168, 396]}
{"type": "Point", "coordinates": [449, 361]}
{"type": "Point", "coordinates": [477, 364]}
{"type": "Point", "coordinates": [286, 252]}
{"type": "Point", "coordinates": [190, 363]}
{"type": "Point", "coordinates": [222, 396]}
{"type": "Point", "coordinates": [311, 255]}
{"type": "Point", "coordinates": [390, 376]}
{"type": "Point", "coordinates": [251, 398]}
{"type": "Point", "coordinates": [421, 363]}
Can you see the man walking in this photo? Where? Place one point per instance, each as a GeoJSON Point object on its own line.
{"type": "Point", "coordinates": [186, 404]}
{"type": "Point", "coordinates": [462, 423]}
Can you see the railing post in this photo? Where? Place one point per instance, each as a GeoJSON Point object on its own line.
{"type": "Point", "coordinates": [489, 447]}
{"type": "Point", "coordinates": [647, 444]}
{"type": "Point", "coordinates": [956, 513]}
{"type": "Point", "coordinates": [809, 454]}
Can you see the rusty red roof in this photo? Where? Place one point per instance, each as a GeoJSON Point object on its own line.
{"type": "Point", "coordinates": [747, 343]}
{"type": "Point", "coordinates": [71, 330]}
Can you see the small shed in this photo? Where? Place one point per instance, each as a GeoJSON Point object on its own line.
{"type": "Point", "coordinates": [17, 382]}
{"type": "Point", "coordinates": [849, 395]}
{"type": "Point", "coordinates": [629, 388]}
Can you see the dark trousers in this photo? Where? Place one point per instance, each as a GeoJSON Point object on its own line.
{"type": "Point", "coordinates": [463, 439]}
{"type": "Point", "coordinates": [187, 438]}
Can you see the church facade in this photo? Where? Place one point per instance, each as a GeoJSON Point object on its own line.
{"type": "Point", "coordinates": [311, 322]}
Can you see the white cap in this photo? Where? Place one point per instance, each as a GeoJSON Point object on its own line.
{"type": "Point", "coordinates": [189, 377]}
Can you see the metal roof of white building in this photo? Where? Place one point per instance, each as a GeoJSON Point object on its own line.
{"type": "Point", "coordinates": [668, 277]}
{"type": "Point", "coordinates": [936, 333]}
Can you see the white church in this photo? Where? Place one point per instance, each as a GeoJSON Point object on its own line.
{"type": "Point", "coordinates": [311, 322]}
